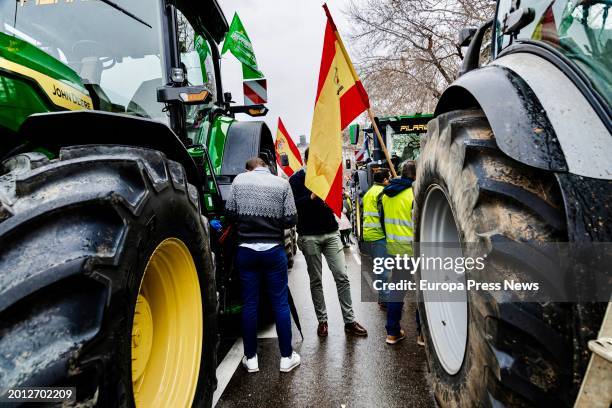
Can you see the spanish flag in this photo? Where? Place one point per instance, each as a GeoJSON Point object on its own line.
{"type": "Point", "coordinates": [546, 29]}
{"type": "Point", "coordinates": [340, 99]}
{"type": "Point", "coordinates": [284, 144]}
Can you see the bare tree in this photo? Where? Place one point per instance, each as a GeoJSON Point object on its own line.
{"type": "Point", "coordinates": [185, 34]}
{"type": "Point", "coordinates": [407, 52]}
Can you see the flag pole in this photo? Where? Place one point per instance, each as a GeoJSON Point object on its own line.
{"type": "Point", "coordinates": [382, 143]}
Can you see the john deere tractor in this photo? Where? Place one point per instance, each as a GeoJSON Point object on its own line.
{"type": "Point", "coordinates": [519, 152]}
{"type": "Point", "coordinates": [117, 144]}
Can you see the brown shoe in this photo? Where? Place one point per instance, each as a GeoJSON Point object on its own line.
{"type": "Point", "coordinates": [396, 339]}
{"type": "Point", "coordinates": [355, 329]}
{"type": "Point", "coordinates": [322, 329]}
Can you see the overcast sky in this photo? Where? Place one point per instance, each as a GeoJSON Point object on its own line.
{"type": "Point", "coordinates": [287, 36]}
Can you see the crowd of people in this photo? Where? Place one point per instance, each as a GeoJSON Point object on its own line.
{"type": "Point", "coordinates": [262, 205]}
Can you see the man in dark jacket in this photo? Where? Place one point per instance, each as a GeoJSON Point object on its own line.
{"type": "Point", "coordinates": [262, 206]}
{"type": "Point", "coordinates": [318, 235]}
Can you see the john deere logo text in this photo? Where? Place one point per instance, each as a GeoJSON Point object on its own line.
{"type": "Point", "coordinates": [413, 128]}
{"type": "Point", "coordinates": [71, 97]}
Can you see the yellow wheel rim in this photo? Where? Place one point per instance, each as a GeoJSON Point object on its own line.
{"type": "Point", "coordinates": [167, 329]}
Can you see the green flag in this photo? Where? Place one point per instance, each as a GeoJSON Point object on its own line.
{"type": "Point", "coordinates": [354, 133]}
{"type": "Point", "coordinates": [238, 43]}
{"type": "Point", "coordinates": [203, 50]}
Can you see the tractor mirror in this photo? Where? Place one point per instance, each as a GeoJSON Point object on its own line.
{"type": "Point", "coordinates": [465, 36]}
{"type": "Point", "coordinates": [472, 55]}
{"type": "Point", "coordinates": [189, 95]}
{"type": "Point", "coordinates": [284, 159]}
{"type": "Point", "coordinates": [348, 164]}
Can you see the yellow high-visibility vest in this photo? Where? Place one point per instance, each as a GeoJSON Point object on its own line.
{"type": "Point", "coordinates": [399, 226]}
{"type": "Point", "coordinates": [372, 229]}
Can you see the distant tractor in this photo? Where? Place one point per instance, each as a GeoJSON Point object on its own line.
{"type": "Point", "coordinates": [519, 151]}
{"type": "Point", "coordinates": [402, 136]}
{"type": "Point", "coordinates": [117, 146]}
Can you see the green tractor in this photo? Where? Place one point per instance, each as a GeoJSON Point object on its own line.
{"type": "Point", "coordinates": [519, 151]}
{"type": "Point", "coordinates": [117, 146]}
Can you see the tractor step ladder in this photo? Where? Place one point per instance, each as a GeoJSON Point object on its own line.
{"type": "Point", "coordinates": [596, 389]}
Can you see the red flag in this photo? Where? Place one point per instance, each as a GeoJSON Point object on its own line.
{"type": "Point", "coordinates": [546, 29]}
{"type": "Point", "coordinates": [284, 144]}
{"type": "Point", "coordinates": [340, 99]}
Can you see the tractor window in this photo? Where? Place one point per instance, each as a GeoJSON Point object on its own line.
{"type": "Point", "coordinates": [581, 30]}
{"type": "Point", "coordinates": [196, 57]}
{"type": "Point", "coordinates": [117, 53]}
{"type": "Point", "coordinates": [7, 12]}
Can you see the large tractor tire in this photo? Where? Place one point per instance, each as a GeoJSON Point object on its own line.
{"type": "Point", "coordinates": [106, 279]}
{"type": "Point", "coordinates": [486, 350]}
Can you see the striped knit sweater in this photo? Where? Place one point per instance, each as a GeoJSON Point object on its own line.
{"type": "Point", "coordinates": [262, 206]}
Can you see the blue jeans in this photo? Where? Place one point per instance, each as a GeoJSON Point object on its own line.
{"type": "Point", "coordinates": [394, 315]}
{"type": "Point", "coordinates": [270, 265]}
{"type": "Point", "coordinates": [379, 250]}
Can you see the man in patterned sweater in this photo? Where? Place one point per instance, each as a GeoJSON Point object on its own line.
{"type": "Point", "coordinates": [262, 207]}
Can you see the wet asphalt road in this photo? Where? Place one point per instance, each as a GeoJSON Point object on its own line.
{"type": "Point", "coordinates": [339, 371]}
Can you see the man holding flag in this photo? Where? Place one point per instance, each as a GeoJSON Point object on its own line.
{"type": "Point", "coordinates": [318, 235]}
{"type": "Point", "coordinates": [317, 188]}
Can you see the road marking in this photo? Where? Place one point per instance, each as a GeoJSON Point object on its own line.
{"type": "Point", "coordinates": [227, 368]}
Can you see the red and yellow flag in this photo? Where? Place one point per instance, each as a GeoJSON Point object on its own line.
{"type": "Point", "coordinates": [546, 29]}
{"type": "Point", "coordinates": [284, 144]}
{"type": "Point", "coordinates": [340, 99]}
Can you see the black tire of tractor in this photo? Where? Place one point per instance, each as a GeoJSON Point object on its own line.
{"type": "Point", "coordinates": [517, 354]}
{"type": "Point", "coordinates": [75, 237]}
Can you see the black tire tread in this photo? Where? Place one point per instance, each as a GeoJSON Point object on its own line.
{"type": "Point", "coordinates": [41, 205]}
{"type": "Point", "coordinates": [494, 196]}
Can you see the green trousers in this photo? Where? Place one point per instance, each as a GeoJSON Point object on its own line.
{"type": "Point", "coordinates": [329, 245]}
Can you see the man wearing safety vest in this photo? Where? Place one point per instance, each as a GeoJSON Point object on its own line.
{"type": "Point", "coordinates": [373, 234]}
{"type": "Point", "coordinates": [396, 216]}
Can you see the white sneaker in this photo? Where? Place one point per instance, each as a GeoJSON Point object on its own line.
{"type": "Point", "coordinates": [289, 363]}
{"type": "Point", "coordinates": [251, 364]}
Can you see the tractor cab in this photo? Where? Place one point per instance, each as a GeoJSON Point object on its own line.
{"type": "Point", "coordinates": [120, 51]}
{"type": "Point", "coordinates": [401, 135]}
